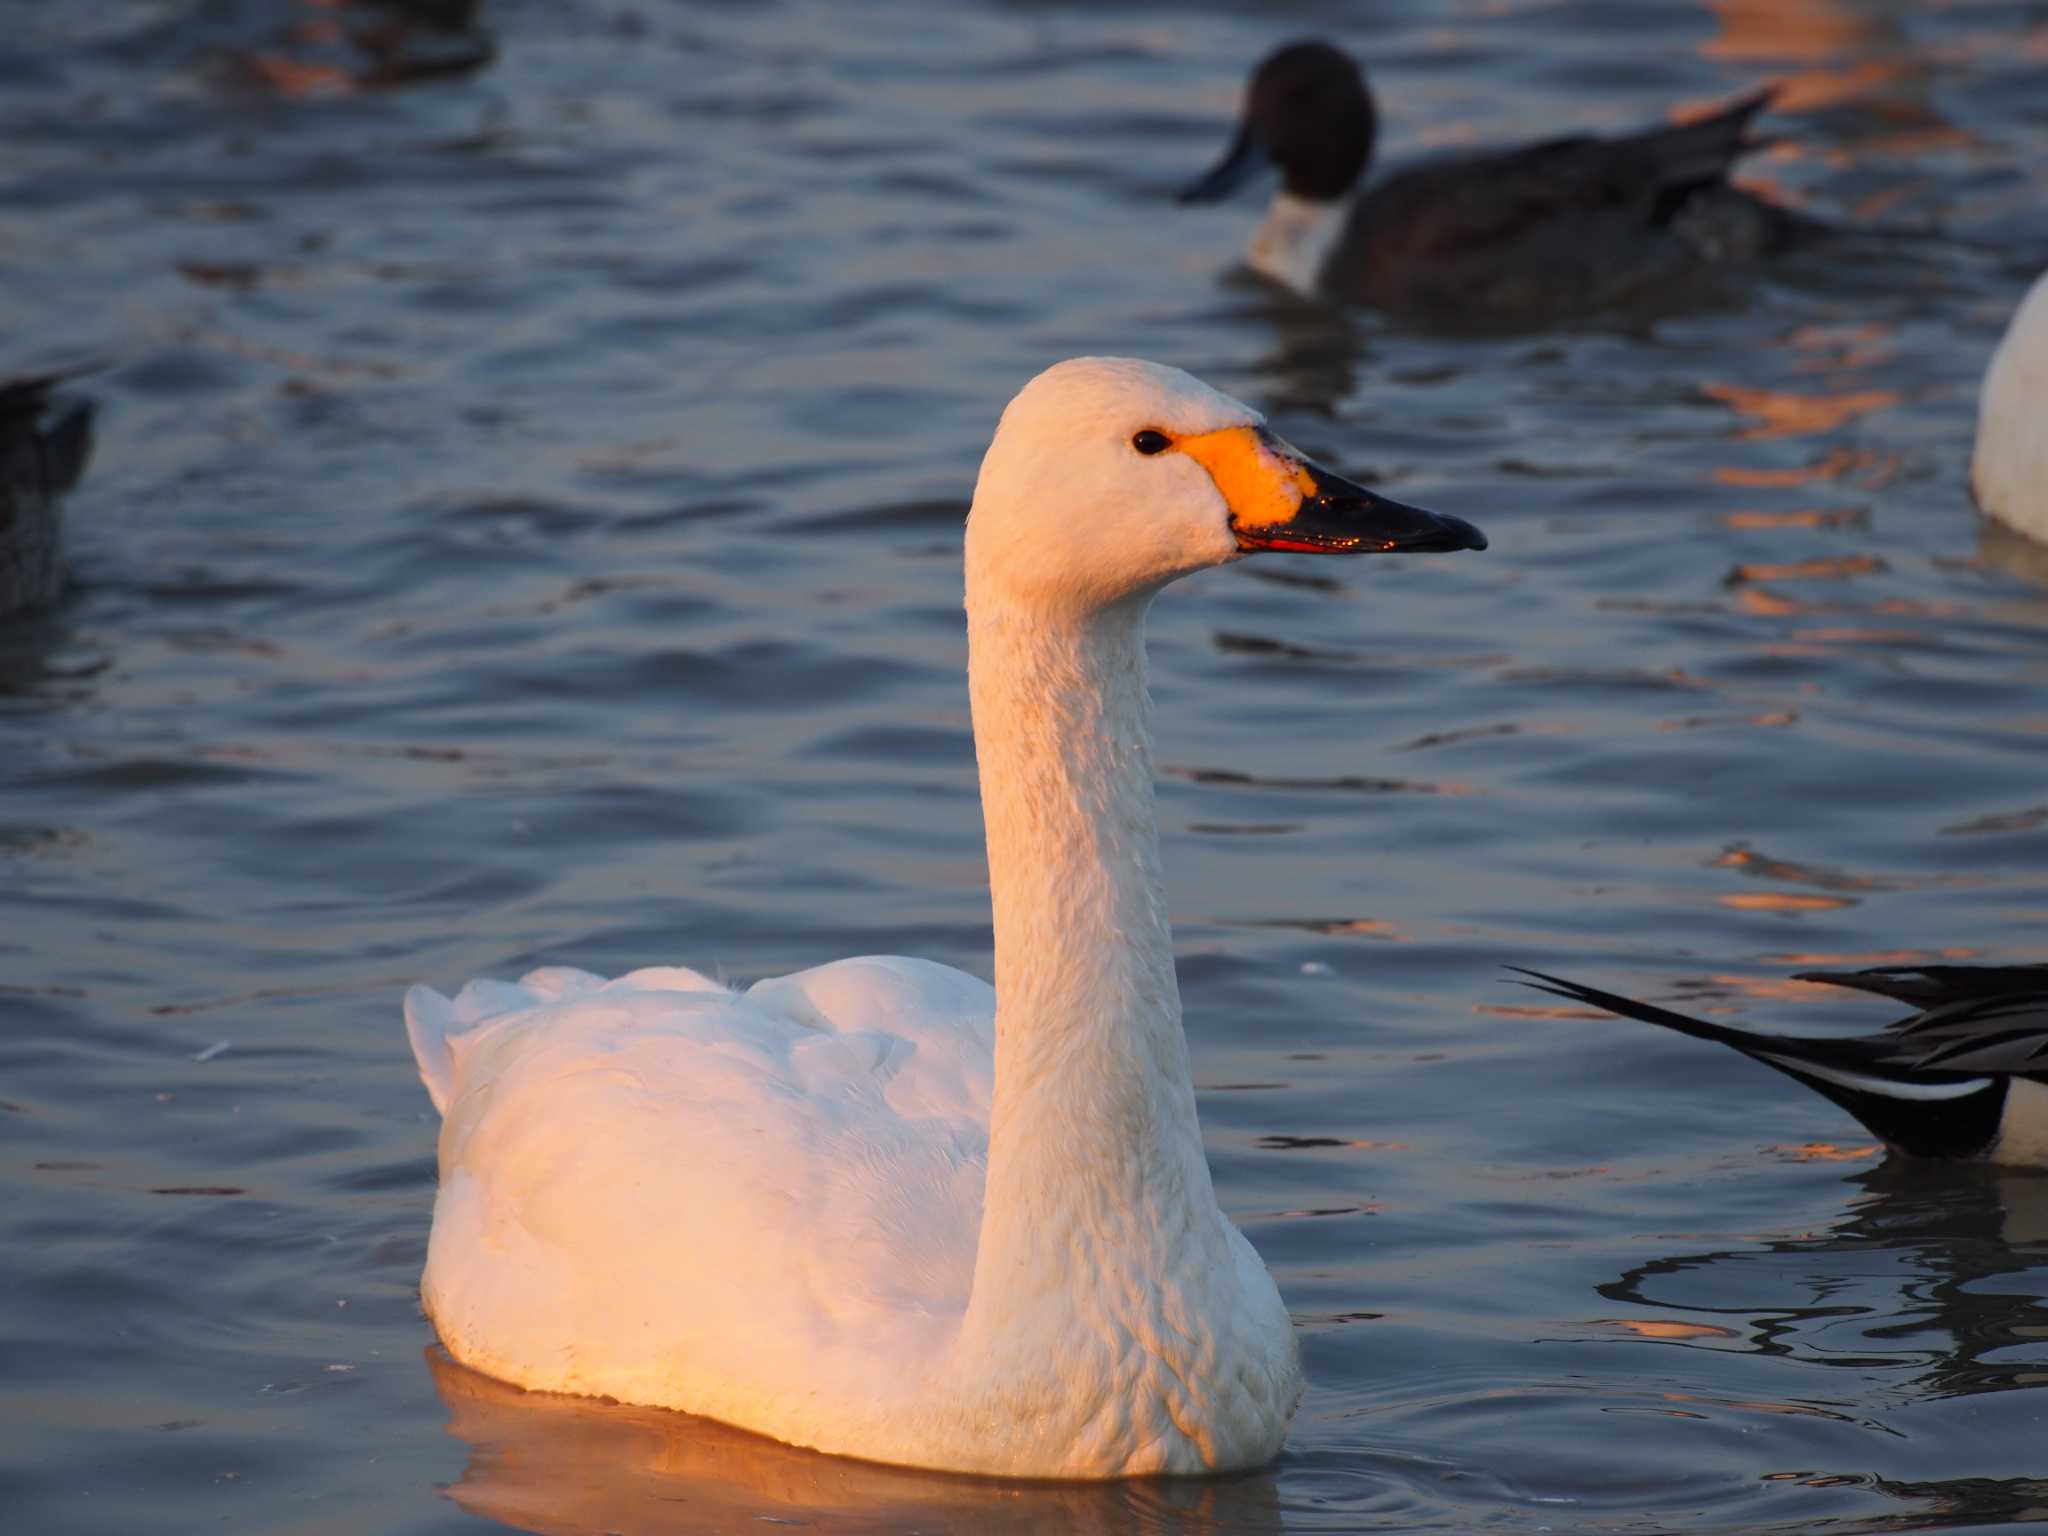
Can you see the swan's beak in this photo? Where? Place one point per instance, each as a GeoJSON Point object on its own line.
{"type": "Point", "coordinates": [1346, 519]}
{"type": "Point", "coordinates": [1245, 158]}
{"type": "Point", "coordinates": [1279, 500]}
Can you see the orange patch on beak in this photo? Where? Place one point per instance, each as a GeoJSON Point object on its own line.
{"type": "Point", "coordinates": [1262, 483]}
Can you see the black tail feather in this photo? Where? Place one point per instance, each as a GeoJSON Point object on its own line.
{"type": "Point", "coordinates": [1688, 154]}
{"type": "Point", "coordinates": [1649, 1013]}
{"type": "Point", "coordinates": [1932, 986]}
{"type": "Point", "coordinates": [1888, 1095]}
{"type": "Point", "coordinates": [67, 444]}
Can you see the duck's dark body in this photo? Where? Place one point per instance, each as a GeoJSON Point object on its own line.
{"type": "Point", "coordinates": [1941, 1082]}
{"type": "Point", "coordinates": [1570, 226]}
{"type": "Point", "coordinates": [43, 449]}
{"type": "Point", "coordinates": [1574, 225]}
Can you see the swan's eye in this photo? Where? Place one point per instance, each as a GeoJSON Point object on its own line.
{"type": "Point", "coordinates": [1150, 442]}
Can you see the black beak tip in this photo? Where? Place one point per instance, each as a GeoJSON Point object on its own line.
{"type": "Point", "coordinates": [1433, 533]}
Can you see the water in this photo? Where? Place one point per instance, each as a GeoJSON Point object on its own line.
{"type": "Point", "coordinates": [525, 529]}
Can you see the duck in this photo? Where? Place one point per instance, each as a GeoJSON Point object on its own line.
{"type": "Point", "coordinates": [879, 1208]}
{"type": "Point", "coordinates": [1499, 238]}
{"type": "Point", "coordinates": [1963, 1076]}
{"type": "Point", "coordinates": [45, 441]}
{"type": "Point", "coordinates": [2009, 464]}
{"type": "Point", "coordinates": [370, 45]}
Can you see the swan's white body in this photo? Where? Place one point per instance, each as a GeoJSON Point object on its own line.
{"type": "Point", "coordinates": [2010, 467]}
{"type": "Point", "coordinates": [869, 1208]}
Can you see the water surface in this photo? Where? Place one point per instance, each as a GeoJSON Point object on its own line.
{"type": "Point", "coordinates": [525, 529]}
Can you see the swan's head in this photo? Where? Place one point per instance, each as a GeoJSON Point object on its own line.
{"type": "Point", "coordinates": [2010, 467]}
{"type": "Point", "coordinates": [1309, 115]}
{"type": "Point", "coordinates": [1109, 477]}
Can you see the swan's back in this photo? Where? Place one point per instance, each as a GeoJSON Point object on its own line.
{"type": "Point", "coordinates": [663, 1190]}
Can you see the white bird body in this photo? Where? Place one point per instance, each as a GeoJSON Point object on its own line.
{"type": "Point", "coordinates": [2009, 469]}
{"type": "Point", "coordinates": [2023, 1125]}
{"type": "Point", "coordinates": [837, 1118]}
{"type": "Point", "coordinates": [879, 1208]}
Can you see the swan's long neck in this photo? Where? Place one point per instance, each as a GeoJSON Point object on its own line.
{"type": "Point", "coordinates": [1095, 1166]}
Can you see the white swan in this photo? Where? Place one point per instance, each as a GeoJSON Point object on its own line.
{"type": "Point", "coordinates": [2009, 469]}
{"type": "Point", "coordinates": [877, 1208]}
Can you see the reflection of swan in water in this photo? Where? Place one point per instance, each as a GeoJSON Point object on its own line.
{"type": "Point", "coordinates": [562, 1465]}
{"type": "Point", "coordinates": [1916, 1278]}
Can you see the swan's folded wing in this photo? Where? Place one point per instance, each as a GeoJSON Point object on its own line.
{"type": "Point", "coordinates": [655, 1181]}
{"type": "Point", "coordinates": [939, 1023]}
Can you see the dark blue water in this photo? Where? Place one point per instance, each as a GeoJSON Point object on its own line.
{"type": "Point", "coordinates": [525, 528]}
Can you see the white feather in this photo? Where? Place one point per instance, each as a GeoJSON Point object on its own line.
{"type": "Point", "coordinates": [843, 1207]}
{"type": "Point", "coordinates": [1884, 1087]}
{"type": "Point", "coordinates": [1295, 238]}
{"type": "Point", "coordinates": [2009, 469]}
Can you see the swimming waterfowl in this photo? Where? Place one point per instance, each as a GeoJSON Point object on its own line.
{"type": "Point", "coordinates": [44, 443]}
{"type": "Point", "coordinates": [879, 1208]}
{"type": "Point", "coordinates": [2009, 469]}
{"type": "Point", "coordinates": [1964, 1076]}
{"type": "Point", "coordinates": [1568, 226]}
{"type": "Point", "coordinates": [372, 45]}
